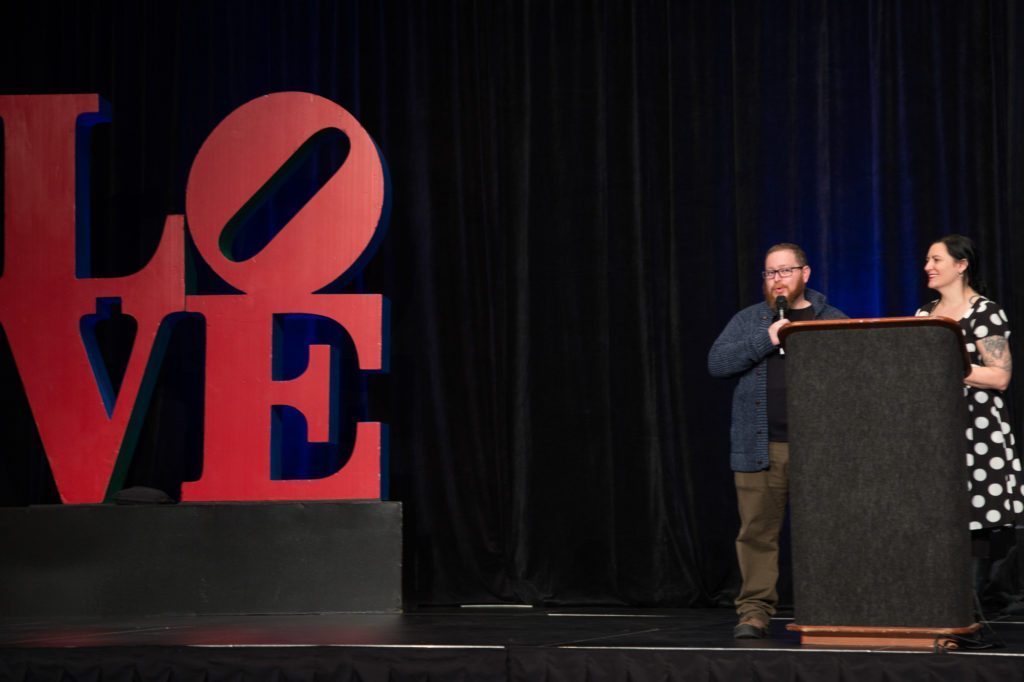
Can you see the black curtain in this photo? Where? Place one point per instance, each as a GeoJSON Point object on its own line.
{"type": "Point", "coordinates": [582, 194]}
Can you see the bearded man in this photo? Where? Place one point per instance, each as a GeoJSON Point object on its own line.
{"type": "Point", "coordinates": [748, 349]}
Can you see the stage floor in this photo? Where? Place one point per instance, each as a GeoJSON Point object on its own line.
{"type": "Point", "coordinates": [457, 627]}
{"type": "Point", "coordinates": [503, 643]}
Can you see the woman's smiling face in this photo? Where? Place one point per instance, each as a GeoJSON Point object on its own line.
{"type": "Point", "coordinates": [942, 269]}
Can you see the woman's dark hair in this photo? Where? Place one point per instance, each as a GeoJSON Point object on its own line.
{"type": "Point", "coordinates": [962, 248]}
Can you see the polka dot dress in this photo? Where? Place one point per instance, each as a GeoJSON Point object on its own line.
{"type": "Point", "coordinates": [995, 469]}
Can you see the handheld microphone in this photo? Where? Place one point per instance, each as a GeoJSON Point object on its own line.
{"type": "Point", "coordinates": [781, 304]}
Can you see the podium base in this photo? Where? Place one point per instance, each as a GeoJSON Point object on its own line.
{"type": "Point", "coordinates": [855, 636]}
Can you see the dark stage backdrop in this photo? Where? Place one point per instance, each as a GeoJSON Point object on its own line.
{"type": "Point", "coordinates": [582, 193]}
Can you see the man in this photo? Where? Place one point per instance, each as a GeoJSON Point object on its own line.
{"type": "Point", "coordinates": [748, 348]}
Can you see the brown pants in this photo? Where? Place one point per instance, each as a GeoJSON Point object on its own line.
{"type": "Point", "coordinates": [761, 496]}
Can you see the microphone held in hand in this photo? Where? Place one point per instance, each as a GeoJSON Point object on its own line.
{"type": "Point", "coordinates": [781, 304]}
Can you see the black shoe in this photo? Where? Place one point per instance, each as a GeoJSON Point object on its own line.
{"type": "Point", "coordinates": [749, 630]}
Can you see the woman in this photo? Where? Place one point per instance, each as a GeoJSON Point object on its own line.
{"type": "Point", "coordinates": [995, 470]}
{"type": "Point", "coordinates": [952, 269]}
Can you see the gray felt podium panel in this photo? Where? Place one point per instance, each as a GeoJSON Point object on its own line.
{"type": "Point", "coordinates": [230, 558]}
{"type": "Point", "coordinates": [878, 475]}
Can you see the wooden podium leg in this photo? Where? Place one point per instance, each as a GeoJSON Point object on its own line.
{"type": "Point", "coordinates": [869, 637]}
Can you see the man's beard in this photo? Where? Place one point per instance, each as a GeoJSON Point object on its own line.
{"type": "Point", "coordinates": [795, 292]}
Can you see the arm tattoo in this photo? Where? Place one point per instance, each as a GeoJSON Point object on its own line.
{"type": "Point", "coordinates": [995, 351]}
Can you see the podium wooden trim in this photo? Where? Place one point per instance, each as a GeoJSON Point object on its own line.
{"type": "Point", "coordinates": [877, 323]}
{"type": "Point", "coordinates": [867, 637]}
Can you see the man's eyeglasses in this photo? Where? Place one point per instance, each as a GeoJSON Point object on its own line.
{"type": "Point", "coordinates": [781, 272]}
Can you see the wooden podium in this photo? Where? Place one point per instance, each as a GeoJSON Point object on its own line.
{"type": "Point", "coordinates": [878, 481]}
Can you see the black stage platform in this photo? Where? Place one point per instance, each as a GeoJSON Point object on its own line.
{"type": "Point", "coordinates": [468, 644]}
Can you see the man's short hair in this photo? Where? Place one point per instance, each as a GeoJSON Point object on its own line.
{"type": "Point", "coordinates": [801, 257]}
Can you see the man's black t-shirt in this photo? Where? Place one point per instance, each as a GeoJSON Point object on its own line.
{"type": "Point", "coordinates": [777, 419]}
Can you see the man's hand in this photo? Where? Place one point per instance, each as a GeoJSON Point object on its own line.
{"type": "Point", "coordinates": [773, 331]}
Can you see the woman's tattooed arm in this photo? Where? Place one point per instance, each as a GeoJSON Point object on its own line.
{"type": "Point", "coordinates": [995, 352]}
